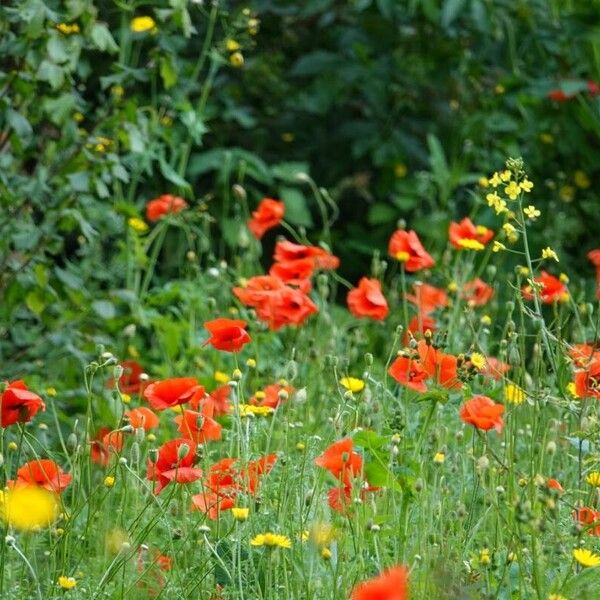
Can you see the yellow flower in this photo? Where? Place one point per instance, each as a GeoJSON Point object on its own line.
{"type": "Point", "coordinates": [12, 445]}
{"type": "Point", "coordinates": [439, 458]}
{"type": "Point", "coordinates": [232, 45]}
{"type": "Point", "coordinates": [402, 256]}
{"type": "Point", "coordinates": [498, 247]}
{"type": "Point", "coordinates": [484, 557]}
{"type": "Point", "coordinates": [586, 558]}
{"type": "Point", "coordinates": [572, 389]}
{"type": "Point", "coordinates": [240, 514]}
{"type": "Point", "coordinates": [470, 244]}
{"type": "Point", "coordinates": [549, 253]}
{"type": "Point", "coordinates": [325, 553]}
{"type": "Point", "coordinates": [564, 278]}
{"type": "Point", "coordinates": [300, 446]}
{"type": "Point", "coordinates": [67, 28]}
{"type": "Point", "coordinates": [495, 180]}
{"type": "Point", "coordinates": [567, 193]}
{"type": "Point", "coordinates": [125, 398]}
{"type": "Point", "coordinates": [509, 229]}
{"type": "Point", "coordinates": [142, 24]}
{"type": "Point", "coordinates": [452, 286]}
{"type": "Point", "coordinates": [499, 89]}
{"type": "Point", "coordinates": [115, 540]}
{"type": "Point", "coordinates": [78, 117]}
{"type": "Point", "coordinates": [236, 60]}
{"type": "Point", "coordinates": [251, 363]}
{"type": "Point", "coordinates": [581, 180]}
{"type": "Point", "coordinates": [352, 384]}
{"type": "Point", "coordinates": [29, 507]}
{"type": "Point", "coordinates": [532, 212]}
{"type": "Point", "coordinates": [137, 224]}
{"type": "Point", "coordinates": [593, 479]}
{"type": "Point", "coordinates": [523, 271]}
{"type": "Point", "coordinates": [51, 391]}
{"type": "Point", "coordinates": [273, 540]}
{"type": "Point", "coordinates": [486, 320]}
{"type": "Point", "coordinates": [288, 137]}
{"type": "Point", "coordinates": [400, 170]}
{"type": "Point", "coordinates": [236, 375]}
{"type": "Point", "coordinates": [526, 185]}
{"type": "Point", "coordinates": [117, 90]}
{"type": "Point", "coordinates": [109, 481]}
{"type": "Point", "coordinates": [249, 409]}
{"type": "Point", "coordinates": [511, 556]}
{"type": "Point", "coordinates": [557, 597]}
{"type": "Point", "coordinates": [321, 534]}
{"type": "Point", "coordinates": [478, 360]}
{"type": "Point", "coordinates": [66, 583]}
{"type": "Point", "coordinates": [151, 437]}
{"type": "Point", "coordinates": [484, 182]}
{"type": "Point", "coordinates": [512, 190]}
{"type": "Point", "coordinates": [496, 203]}
{"type": "Point", "coordinates": [221, 377]}
{"type": "Point", "coordinates": [514, 394]}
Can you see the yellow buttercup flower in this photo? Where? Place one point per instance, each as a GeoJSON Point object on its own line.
{"type": "Point", "coordinates": [478, 360]}
{"type": "Point", "coordinates": [586, 558]}
{"type": "Point", "coordinates": [549, 253]}
{"type": "Point", "coordinates": [68, 28]}
{"type": "Point", "coordinates": [593, 479]}
{"type": "Point", "coordinates": [514, 394]}
{"type": "Point", "coordinates": [240, 514]}
{"type": "Point", "coordinates": [142, 24]}
{"type": "Point", "coordinates": [66, 583]}
{"type": "Point", "coordinates": [272, 540]}
{"type": "Point", "coordinates": [236, 60]}
{"type": "Point", "coordinates": [512, 190]}
{"type": "Point", "coordinates": [352, 384]}
{"type": "Point", "coordinates": [109, 481]}
{"type": "Point", "coordinates": [28, 508]}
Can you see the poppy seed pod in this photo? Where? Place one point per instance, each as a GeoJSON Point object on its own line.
{"type": "Point", "coordinates": [153, 455]}
{"type": "Point", "coordinates": [117, 372]}
{"type": "Point", "coordinates": [183, 451]}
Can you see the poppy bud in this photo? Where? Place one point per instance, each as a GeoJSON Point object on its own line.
{"type": "Point", "coordinates": [153, 455]}
{"type": "Point", "coordinates": [419, 485]}
{"type": "Point", "coordinates": [122, 460]}
{"type": "Point", "coordinates": [182, 451]}
{"type": "Point", "coordinates": [400, 224]}
{"type": "Point", "coordinates": [72, 442]}
{"type": "Point", "coordinates": [135, 452]}
{"type": "Point", "coordinates": [510, 306]}
{"type": "Point", "coordinates": [126, 429]}
{"type": "Point", "coordinates": [204, 529]}
{"type": "Point", "coordinates": [291, 370]}
{"type": "Point", "coordinates": [331, 361]}
{"type": "Point", "coordinates": [282, 395]}
{"type": "Point", "coordinates": [537, 324]}
{"type": "Point", "coordinates": [236, 375]}
{"type": "Point", "coordinates": [117, 371]}
{"type": "Point", "coordinates": [199, 423]}
{"type": "Point", "coordinates": [491, 270]}
{"type": "Point", "coordinates": [368, 359]}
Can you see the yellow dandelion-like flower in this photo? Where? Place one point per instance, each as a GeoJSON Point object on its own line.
{"type": "Point", "coordinates": [512, 190]}
{"type": "Point", "coordinates": [272, 540]}
{"type": "Point", "coordinates": [352, 384]}
{"type": "Point", "coordinates": [66, 583]}
{"type": "Point", "coordinates": [549, 253]}
{"type": "Point", "coordinates": [240, 514]}
{"type": "Point", "coordinates": [439, 458]}
{"type": "Point", "coordinates": [478, 360]}
{"type": "Point", "coordinates": [29, 507]}
{"type": "Point", "coordinates": [586, 558]}
{"type": "Point", "coordinates": [526, 185]}
{"type": "Point", "coordinates": [221, 377]}
{"type": "Point", "coordinates": [470, 244]}
{"type": "Point", "coordinates": [532, 212]}
{"type": "Point", "coordinates": [514, 394]}
{"type": "Point", "coordinates": [593, 479]}
{"type": "Point", "coordinates": [523, 271]}
{"type": "Point", "coordinates": [109, 481]}
{"type": "Point", "coordinates": [260, 411]}
{"type": "Point", "coordinates": [142, 24]}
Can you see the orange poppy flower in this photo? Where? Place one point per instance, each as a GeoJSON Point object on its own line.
{"type": "Point", "coordinates": [18, 404]}
{"type": "Point", "coordinates": [171, 392]}
{"type": "Point", "coordinates": [218, 400]}
{"type": "Point", "coordinates": [44, 473]}
{"type": "Point", "coordinates": [212, 504]}
{"type": "Point", "coordinates": [292, 271]}
{"type": "Point", "coordinates": [341, 461]}
{"type": "Point", "coordinates": [477, 292]}
{"type": "Point", "coordinates": [170, 466]}
{"type": "Point", "coordinates": [409, 373]}
{"type": "Point", "coordinates": [584, 354]}
{"type": "Point", "coordinates": [268, 215]}
{"type": "Point", "coordinates": [163, 205]}
{"type": "Point", "coordinates": [104, 442]}
{"type": "Point", "coordinates": [418, 325]}
{"type": "Point", "coordinates": [406, 247]}
{"type": "Point", "coordinates": [466, 235]}
{"type": "Point", "coordinates": [588, 517]}
{"type": "Point", "coordinates": [427, 297]}
{"type": "Point", "coordinates": [552, 289]}
{"type": "Point", "coordinates": [441, 367]}
{"type": "Point", "coordinates": [286, 251]}
{"type": "Point", "coordinates": [554, 484]}
{"type": "Point", "coordinates": [229, 335]}
{"type": "Point", "coordinates": [199, 426]}
{"type": "Point", "coordinates": [594, 257]}
{"type": "Point", "coordinates": [390, 585]}
{"type": "Point", "coordinates": [367, 300]}
{"type": "Point", "coordinates": [483, 413]}
{"type": "Point", "coordinates": [142, 417]}
{"type": "Point", "coordinates": [288, 306]}
{"type": "Point", "coordinates": [587, 382]}
{"type": "Point", "coordinates": [255, 469]}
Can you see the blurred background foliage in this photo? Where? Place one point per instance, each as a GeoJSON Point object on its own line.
{"type": "Point", "coordinates": [396, 107]}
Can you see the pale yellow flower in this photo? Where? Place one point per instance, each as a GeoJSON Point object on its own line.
{"type": "Point", "coordinates": [512, 190]}
{"type": "Point", "coordinates": [549, 253]}
{"type": "Point", "coordinates": [532, 212]}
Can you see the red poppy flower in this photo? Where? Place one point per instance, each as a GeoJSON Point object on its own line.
{"type": "Point", "coordinates": [287, 251]}
{"type": "Point", "coordinates": [199, 426]}
{"type": "Point", "coordinates": [467, 235]}
{"type": "Point", "coordinates": [212, 504]}
{"type": "Point", "coordinates": [142, 417]}
{"type": "Point", "coordinates": [165, 204]}
{"type": "Point", "coordinates": [288, 306]}
{"type": "Point", "coordinates": [293, 271]}
{"type": "Point", "coordinates": [18, 404]}
{"type": "Point", "coordinates": [588, 517]}
{"type": "Point", "coordinates": [587, 382]}
{"type": "Point", "coordinates": [495, 368]}
{"type": "Point", "coordinates": [130, 381]}
{"type": "Point", "coordinates": [341, 461]}
{"type": "Point", "coordinates": [483, 413]}
{"type": "Point", "coordinates": [390, 585]}
{"type": "Point", "coordinates": [477, 292]}
{"type": "Point", "coordinates": [174, 464]}
{"type": "Point", "coordinates": [268, 215]}
{"type": "Point", "coordinates": [104, 442]}
{"type": "Point", "coordinates": [171, 392]}
{"type": "Point", "coordinates": [229, 335]}
{"type": "Point", "coordinates": [554, 484]}
{"type": "Point", "coordinates": [552, 289]}
{"type": "Point", "coordinates": [223, 479]}
{"type": "Point", "coordinates": [270, 395]}
{"type": "Point", "coordinates": [258, 290]}
{"type": "Point", "coordinates": [149, 565]}
{"type": "Point", "coordinates": [409, 373]}
{"type": "Point", "coordinates": [418, 325]}
{"type": "Point", "coordinates": [584, 354]}
{"type": "Point", "coordinates": [44, 473]}
{"type": "Point", "coordinates": [255, 469]}
{"type": "Point", "coordinates": [218, 400]}
{"type": "Point", "coordinates": [427, 297]}
{"type": "Point", "coordinates": [560, 96]}
{"type": "Point", "coordinates": [441, 367]}
{"type": "Point", "coordinates": [594, 257]}
{"type": "Point", "coordinates": [367, 300]}
{"type": "Point", "coordinates": [406, 247]}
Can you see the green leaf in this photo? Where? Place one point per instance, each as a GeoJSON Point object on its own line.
{"type": "Point", "coordinates": [288, 171]}
{"type": "Point", "coordinates": [171, 175]}
{"type": "Point", "coordinates": [296, 207]}
{"type": "Point", "coordinates": [53, 74]}
{"type": "Point", "coordinates": [370, 440]}
{"type": "Point", "coordinates": [104, 309]}
{"type": "Point", "coordinates": [450, 11]}
{"type": "Point", "coordinates": [168, 72]}
{"type": "Point", "coordinates": [59, 109]}
{"type": "Point", "coordinates": [103, 39]}
{"type": "Point", "coordinates": [57, 49]}
{"type": "Point", "coordinates": [36, 301]}
{"type": "Point", "coordinates": [19, 123]}
{"type": "Point", "coordinates": [381, 213]}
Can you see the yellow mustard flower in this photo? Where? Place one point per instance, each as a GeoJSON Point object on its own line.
{"type": "Point", "coordinates": [549, 253]}
{"type": "Point", "coordinates": [495, 180]}
{"type": "Point", "coordinates": [526, 185]}
{"type": "Point", "coordinates": [232, 45]}
{"type": "Point", "coordinates": [512, 190]}
{"type": "Point", "coordinates": [486, 320]}
{"type": "Point", "coordinates": [484, 182]}
{"type": "Point", "coordinates": [532, 212]}
{"type": "Point", "coordinates": [498, 247]}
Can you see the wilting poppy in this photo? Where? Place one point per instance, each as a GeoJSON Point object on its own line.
{"type": "Point", "coordinates": [44, 473]}
{"type": "Point", "coordinates": [165, 204]}
{"type": "Point", "coordinates": [174, 464]}
{"type": "Point", "coordinates": [587, 381]}
{"type": "Point", "coordinates": [390, 585]}
{"type": "Point", "coordinates": [142, 417]}
{"type": "Point", "coordinates": [466, 235]}
{"type": "Point", "coordinates": [483, 413]}
{"type": "Point", "coordinates": [477, 292]}
{"type": "Point", "coordinates": [229, 335]}
{"type": "Point", "coordinates": [367, 300]}
{"type": "Point", "coordinates": [341, 461]}
{"type": "Point", "coordinates": [427, 297]}
{"type": "Point", "coordinates": [268, 215]}
{"type": "Point", "coordinates": [18, 404]}
{"type": "Point", "coordinates": [552, 289]}
{"type": "Point", "coordinates": [406, 247]}
{"type": "Point", "coordinates": [171, 392]}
